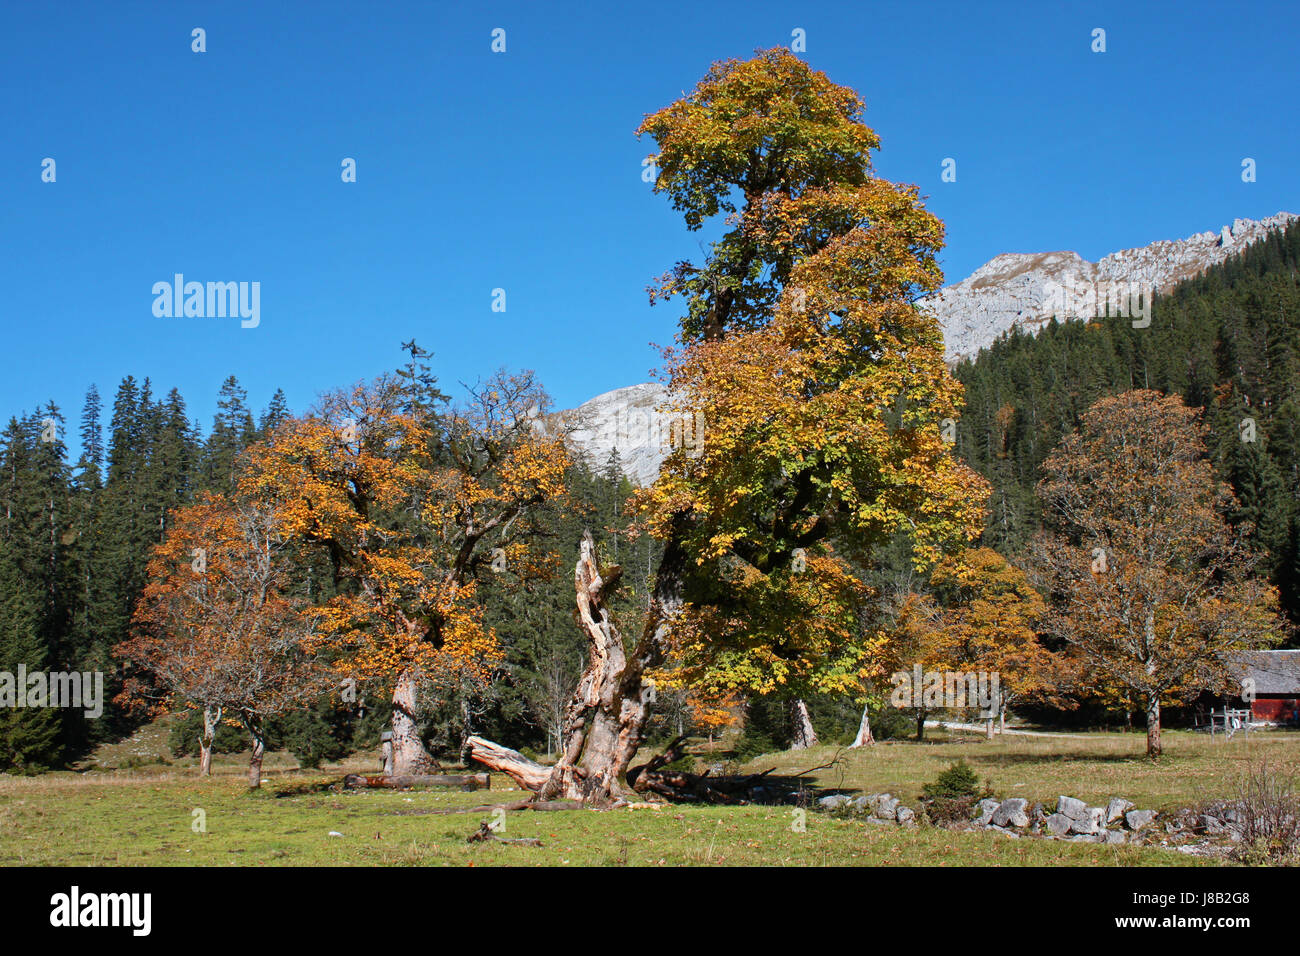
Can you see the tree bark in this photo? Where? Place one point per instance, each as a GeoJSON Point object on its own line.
{"type": "Point", "coordinates": [604, 721]}
{"type": "Point", "coordinates": [804, 735]}
{"type": "Point", "coordinates": [410, 758]}
{"type": "Point", "coordinates": [1153, 727]}
{"type": "Point", "coordinates": [920, 723]}
{"type": "Point", "coordinates": [255, 761]}
{"type": "Point", "coordinates": [864, 737]}
{"type": "Point", "coordinates": [527, 773]}
{"type": "Point", "coordinates": [211, 720]}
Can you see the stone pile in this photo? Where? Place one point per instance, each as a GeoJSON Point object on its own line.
{"type": "Point", "coordinates": [1119, 821]}
{"type": "Point", "coordinates": [878, 808]}
{"type": "Point", "coordinates": [1211, 828]}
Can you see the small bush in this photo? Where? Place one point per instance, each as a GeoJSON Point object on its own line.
{"type": "Point", "coordinates": [952, 797]}
{"type": "Point", "coordinates": [1268, 815]}
{"type": "Point", "coordinates": [959, 780]}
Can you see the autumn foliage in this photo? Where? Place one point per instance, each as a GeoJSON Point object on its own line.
{"type": "Point", "coordinates": [216, 627]}
{"type": "Point", "coordinates": [822, 385]}
{"type": "Point", "coordinates": [1149, 586]}
{"type": "Point", "coordinates": [411, 502]}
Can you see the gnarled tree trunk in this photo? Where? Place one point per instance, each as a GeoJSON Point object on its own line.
{"type": "Point", "coordinates": [804, 736]}
{"type": "Point", "coordinates": [864, 737]}
{"type": "Point", "coordinates": [410, 758]}
{"type": "Point", "coordinates": [605, 718]}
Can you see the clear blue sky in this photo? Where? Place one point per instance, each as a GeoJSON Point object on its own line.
{"type": "Point", "coordinates": [520, 170]}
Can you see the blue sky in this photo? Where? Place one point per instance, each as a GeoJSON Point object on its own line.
{"type": "Point", "coordinates": [520, 170]}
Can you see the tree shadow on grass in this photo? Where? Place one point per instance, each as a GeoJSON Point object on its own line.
{"type": "Point", "coordinates": [306, 789]}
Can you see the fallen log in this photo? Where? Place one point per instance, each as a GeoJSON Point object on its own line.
{"type": "Point", "coordinates": [527, 773]}
{"type": "Point", "coordinates": [472, 781]}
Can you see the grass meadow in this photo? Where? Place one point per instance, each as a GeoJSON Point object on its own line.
{"type": "Point", "coordinates": [133, 805]}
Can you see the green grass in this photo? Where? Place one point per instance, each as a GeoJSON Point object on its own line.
{"type": "Point", "coordinates": [145, 817]}
{"type": "Point", "coordinates": [1193, 769]}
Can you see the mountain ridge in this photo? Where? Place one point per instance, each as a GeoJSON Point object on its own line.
{"type": "Point", "coordinates": [1010, 290]}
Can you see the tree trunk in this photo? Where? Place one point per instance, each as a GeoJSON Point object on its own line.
{"type": "Point", "coordinates": [1153, 727]}
{"type": "Point", "coordinates": [920, 723]}
{"type": "Point", "coordinates": [259, 750]}
{"type": "Point", "coordinates": [211, 720]}
{"type": "Point", "coordinates": [988, 728]}
{"type": "Point", "coordinates": [804, 736]}
{"type": "Point", "coordinates": [605, 718]}
{"type": "Point", "coordinates": [864, 737]}
{"type": "Point", "coordinates": [410, 758]}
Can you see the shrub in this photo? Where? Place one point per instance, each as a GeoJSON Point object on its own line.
{"type": "Point", "coordinates": [952, 797]}
{"type": "Point", "coordinates": [959, 780]}
{"type": "Point", "coordinates": [1268, 815]}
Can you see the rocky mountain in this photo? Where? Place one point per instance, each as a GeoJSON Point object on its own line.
{"type": "Point", "coordinates": [1025, 289]}
{"type": "Point", "coordinates": [627, 420]}
{"type": "Point", "coordinates": [1009, 290]}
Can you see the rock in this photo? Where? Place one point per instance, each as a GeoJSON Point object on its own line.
{"type": "Point", "coordinates": [627, 419]}
{"type": "Point", "coordinates": [1083, 827]}
{"type": "Point", "coordinates": [887, 807]}
{"type": "Point", "coordinates": [984, 813]}
{"type": "Point", "coordinates": [1072, 808]}
{"type": "Point", "coordinates": [1012, 289]}
{"type": "Point", "coordinates": [1116, 809]}
{"type": "Point", "coordinates": [1018, 289]}
{"type": "Point", "coordinates": [1137, 820]}
{"type": "Point", "coordinates": [1114, 837]}
{"type": "Point", "coordinates": [1012, 813]}
{"type": "Point", "coordinates": [1006, 833]}
{"type": "Point", "coordinates": [1058, 824]}
{"type": "Point", "coordinates": [833, 802]}
{"type": "Point", "coordinates": [335, 833]}
{"type": "Point", "coordinates": [1210, 824]}
{"type": "Point", "coordinates": [906, 816]}
{"type": "Point", "coordinates": [863, 803]}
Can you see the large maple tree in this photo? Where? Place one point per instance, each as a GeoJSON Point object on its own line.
{"type": "Point", "coordinates": [412, 500]}
{"type": "Point", "coordinates": [821, 389]}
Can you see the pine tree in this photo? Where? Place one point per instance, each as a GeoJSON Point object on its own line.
{"type": "Point", "coordinates": [276, 412]}
{"type": "Point", "coordinates": [232, 432]}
